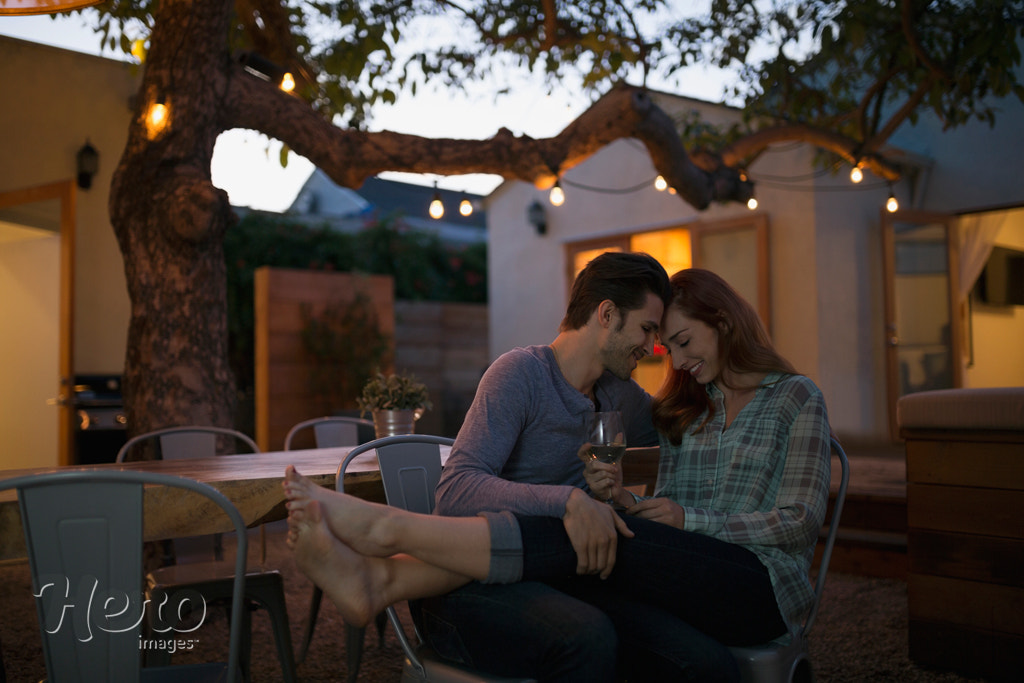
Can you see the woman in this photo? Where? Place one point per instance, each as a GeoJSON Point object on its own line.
{"type": "Point", "coordinates": [725, 544]}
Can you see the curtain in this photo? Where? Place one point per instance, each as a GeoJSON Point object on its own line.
{"type": "Point", "coordinates": [977, 236]}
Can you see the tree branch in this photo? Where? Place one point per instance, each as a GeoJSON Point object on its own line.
{"type": "Point", "coordinates": [349, 157]}
{"type": "Point", "coordinates": [847, 148]}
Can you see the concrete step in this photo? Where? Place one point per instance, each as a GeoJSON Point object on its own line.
{"type": "Point", "coordinates": [872, 536]}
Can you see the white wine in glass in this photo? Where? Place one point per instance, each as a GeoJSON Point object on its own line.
{"type": "Point", "coordinates": [607, 436]}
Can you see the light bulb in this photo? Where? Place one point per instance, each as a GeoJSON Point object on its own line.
{"type": "Point", "coordinates": [892, 205]}
{"type": "Point", "coordinates": [287, 82]}
{"type": "Point", "coordinates": [157, 118]}
{"type": "Point", "coordinates": [436, 208]}
{"type": "Point", "coordinates": [752, 203]}
{"type": "Point", "coordinates": [557, 196]}
{"type": "Point", "coordinates": [660, 184]}
{"type": "Point", "coordinates": [466, 207]}
{"type": "Point", "coordinates": [856, 175]}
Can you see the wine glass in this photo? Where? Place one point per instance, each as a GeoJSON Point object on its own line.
{"type": "Point", "coordinates": [607, 436]}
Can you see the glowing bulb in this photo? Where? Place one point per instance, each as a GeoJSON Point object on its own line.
{"type": "Point", "coordinates": [892, 205]}
{"type": "Point", "coordinates": [660, 184]}
{"type": "Point", "coordinates": [436, 208]}
{"type": "Point", "coordinates": [752, 203]}
{"type": "Point", "coordinates": [856, 175]}
{"type": "Point", "coordinates": [557, 196]}
{"type": "Point", "coordinates": [157, 115]}
{"type": "Point", "coordinates": [157, 118]}
{"type": "Point", "coordinates": [287, 83]}
{"type": "Point", "coordinates": [466, 207]}
{"type": "Point", "coordinates": [139, 49]}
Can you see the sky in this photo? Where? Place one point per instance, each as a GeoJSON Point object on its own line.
{"type": "Point", "coordinates": [246, 163]}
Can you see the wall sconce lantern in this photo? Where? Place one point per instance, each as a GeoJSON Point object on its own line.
{"type": "Point", "coordinates": [88, 163]}
{"type": "Point", "coordinates": [536, 217]}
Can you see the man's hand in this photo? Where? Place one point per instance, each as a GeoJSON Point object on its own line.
{"type": "Point", "coordinates": [660, 510]}
{"type": "Point", "coordinates": [593, 529]}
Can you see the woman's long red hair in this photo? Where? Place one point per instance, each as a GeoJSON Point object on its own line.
{"type": "Point", "coordinates": [743, 347]}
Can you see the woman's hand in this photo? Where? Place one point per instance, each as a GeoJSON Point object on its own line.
{"type": "Point", "coordinates": [660, 510]}
{"type": "Point", "coordinates": [604, 480]}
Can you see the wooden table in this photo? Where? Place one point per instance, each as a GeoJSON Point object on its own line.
{"type": "Point", "coordinates": [252, 482]}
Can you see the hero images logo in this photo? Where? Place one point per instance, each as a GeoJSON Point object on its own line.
{"type": "Point", "coordinates": [113, 611]}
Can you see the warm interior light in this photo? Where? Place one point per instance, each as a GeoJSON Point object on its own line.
{"type": "Point", "coordinates": [660, 184]}
{"type": "Point", "coordinates": [752, 203]}
{"type": "Point", "coordinates": [466, 207]}
{"type": "Point", "coordinates": [557, 196]}
{"type": "Point", "coordinates": [891, 205]}
{"type": "Point", "coordinates": [856, 175]}
{"type": "Point", "coordinates": [287, 82]}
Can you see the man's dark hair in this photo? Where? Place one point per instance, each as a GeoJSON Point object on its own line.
{"type": "Point", "coordinates": [625, 278]}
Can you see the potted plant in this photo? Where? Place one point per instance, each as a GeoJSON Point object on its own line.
{"type": "Point", "coordinates": [395, 401]}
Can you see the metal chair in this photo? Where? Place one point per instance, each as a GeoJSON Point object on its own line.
{"type": "Point", "coordinates": [410, 467]}
{"type": "Point", "coordinates": [83, 532]}
{"type": "Point", "coordinates": [329, 432]}
{"type": "Point", "coordinates": [208, 574]}
{"type": "Point", "coordinates": [789, 663]}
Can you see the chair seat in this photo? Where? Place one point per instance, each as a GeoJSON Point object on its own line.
{"type": "Point", "coordinates": [214, 583]}
{"type": "Point", "coordinates": [201, 572]}
{"type": "Point", "coordinates": [781, 662]}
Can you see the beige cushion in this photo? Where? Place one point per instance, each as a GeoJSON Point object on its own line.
{"type": "Point", "coordinates": [996, 408]}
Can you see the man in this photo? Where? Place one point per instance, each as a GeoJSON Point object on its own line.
{"type": "Point", "coordinates": [517, 451]}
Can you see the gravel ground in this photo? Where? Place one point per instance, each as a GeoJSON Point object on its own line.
{"type": "Point", "coordinates": [860, 634]}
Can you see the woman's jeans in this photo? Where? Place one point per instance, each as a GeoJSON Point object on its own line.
{"type": "Point", "coordinates": [673, 598]}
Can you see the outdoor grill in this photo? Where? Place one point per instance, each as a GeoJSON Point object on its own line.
{"type": "Point", "coordinates": [100, 420]}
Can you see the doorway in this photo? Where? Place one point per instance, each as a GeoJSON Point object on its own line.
{"type": "Point", "coordinates": [36, 303]}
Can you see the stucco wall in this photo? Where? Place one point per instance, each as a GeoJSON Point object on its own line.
{"type": "Point", "coordinates": [825, 245]}
{"type": "Point", "coordinates": [53, 101]}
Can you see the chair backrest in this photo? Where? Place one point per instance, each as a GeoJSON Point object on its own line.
{"type": "Point", "coordinates": [186, 442]}
{"type": "Point", "coordinates": [84, 535]}
{"type": "Point", "coordinates": [410, 467]}
{"type": "Point", "coordinates": [329, 432]}
{"type": "Point", "coordinates": [830, 538]}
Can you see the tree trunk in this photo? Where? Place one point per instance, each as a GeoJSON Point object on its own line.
{"type": "Point", "coordinates": [170, 222]}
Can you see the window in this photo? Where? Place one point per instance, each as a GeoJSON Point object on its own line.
{"type": "Point", "coordinates": [736, 249]}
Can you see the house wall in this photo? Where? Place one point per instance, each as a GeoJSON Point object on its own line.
{"type": "Point", "coordinates": [827, 283]}
{"type": "Point", "coordinates": [53, 101]}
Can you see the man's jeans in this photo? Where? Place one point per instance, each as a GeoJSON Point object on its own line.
{"type": "Point", "coordinates": [670, 594]}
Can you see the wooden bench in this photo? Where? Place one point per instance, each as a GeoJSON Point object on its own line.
{"type": "Point", "coordinates": [965, 519]}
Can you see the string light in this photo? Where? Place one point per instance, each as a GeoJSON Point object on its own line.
{"type": "Point", "coordinates": [466, 207]}
{"type": "Point", "coordinates": [891, 205]}
{"type": "Point", "coordinates": [157, 117]}
{"type": "Point", "coordinates": [436, 207]}
{"type": "Point", "coordinates": [752, 203]}
{"type": "Point", "coordinates": [557, 195]}
{"type": "Point", "coordinates": [856, 175]}
{"type": "Point", "coordinates": [287, 82]}
{"type": "Point", "coordinates": [660, 184]}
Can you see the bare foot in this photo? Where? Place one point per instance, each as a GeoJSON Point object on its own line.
{"type": "Point", "coordinates": [344, 576]}
{"type": "Point", "coordinates": [363, 526]}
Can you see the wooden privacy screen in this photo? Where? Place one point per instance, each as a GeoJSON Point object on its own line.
{"type": "Point", "coordinates": [283, 369]}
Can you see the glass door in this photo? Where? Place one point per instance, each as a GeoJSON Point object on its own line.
{"type": "Point", "coordinates": [922, 326]}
